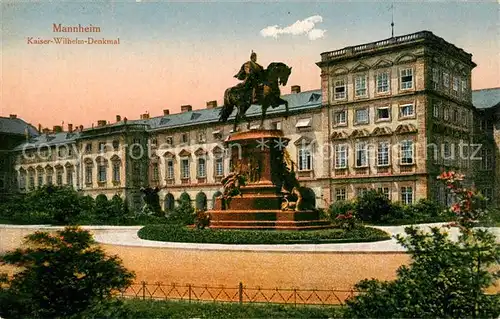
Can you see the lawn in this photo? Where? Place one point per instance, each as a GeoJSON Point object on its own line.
{"type": "Point", "coordinates": [177, 309]}
{"type": "Point", "coordinates": [178, 233]}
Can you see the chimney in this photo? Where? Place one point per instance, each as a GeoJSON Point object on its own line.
{"type": "Point", "coordinates": [211, 104]}
{"type": "Point", "coordinates": [125, 120]}
{"type": "Point", "coordinates": [295, 88]}
{"type": "Point", "coordinates": [70, 128]}
{"type": "Point", "coordinates": [166, 112]}
{"type": "Point", "coordinates": [13, 116]}
{"type": "Point", "coordinates": [39, 128]}
{"type": "Point", "coordinates": [57, 129]}
{"type": "Point", "coordinates": [81, 128]}
{"type": "Point", "coordinates": [144, 116]}
{"type": "Point", "coordinates": [186, 108]}
{"type": "Point", "coordinates": [101, 123]}
{"type": "Point", "coordinates": [46, 130]}
{"type": "Point", "coordinates": [118, 118]}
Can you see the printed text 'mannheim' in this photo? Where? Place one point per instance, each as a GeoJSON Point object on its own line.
{"type": "Point", "coordinates": [61, 28]}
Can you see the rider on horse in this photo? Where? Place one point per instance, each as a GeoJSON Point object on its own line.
{"type": "Point", "coordinates": [251, 73]}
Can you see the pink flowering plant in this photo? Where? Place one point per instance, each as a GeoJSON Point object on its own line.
{"type": "Point", "coordinates": [346, 221]}
{"type": "Point", "coordinates": [469, 205]}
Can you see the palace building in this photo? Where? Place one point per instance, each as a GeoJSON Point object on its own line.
{"type": "Point", "coordinates": [390, 115]}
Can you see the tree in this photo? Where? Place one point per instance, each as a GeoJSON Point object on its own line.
{"type": "Point", "coordinates": [62, 275]}
{"type": "Point", "coordinates": [446, 278]}
{"type": "Point", "coordinates": [372, 206]}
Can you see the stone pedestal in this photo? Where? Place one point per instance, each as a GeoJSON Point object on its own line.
{"type": "Point", "coordinates": [259, 155]}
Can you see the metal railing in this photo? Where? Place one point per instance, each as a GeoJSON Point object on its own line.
{"type": "Point", "coordinates": [240, 294]}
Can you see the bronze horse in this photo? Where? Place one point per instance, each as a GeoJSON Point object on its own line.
{"type": "Point", "coordinates": [240, 96]}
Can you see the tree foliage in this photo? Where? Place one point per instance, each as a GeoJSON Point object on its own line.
{"type": "Point", "coordinates": [446, 278]}
{"type": "Point", "coordinates": [372, 206]}
{"type": "Point", "coordinates": [62, 275]}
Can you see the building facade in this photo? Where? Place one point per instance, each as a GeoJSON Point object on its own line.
{"type": "Point", "coordinates": [390, 115]}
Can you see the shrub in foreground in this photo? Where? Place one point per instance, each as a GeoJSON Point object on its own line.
{"type": "Point", "coordinates": [62, 275]}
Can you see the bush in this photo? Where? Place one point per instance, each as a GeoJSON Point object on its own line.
{"type": "Point", "coordinates": [63, 275]}
{"type": "Point", "coordinates": [176, 233]}
{"type": "Point", "coordinates": [372, 206]}
{"type": "Point", "coordinates": [184, 213]}
{"type": "Point", "coordinates": [340, 208]}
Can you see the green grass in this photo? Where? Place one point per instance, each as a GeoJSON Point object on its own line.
{"type": "Point", "coordinates": [177, 233]}
{"type": "Point", "coordinates": [412, 221]}
{"type": "Point", "coordinates": [177, 309]}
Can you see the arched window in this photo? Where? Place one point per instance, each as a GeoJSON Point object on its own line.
{"type": "Point", "coordinates": [169, 202]}
{"type": "Point", "coordinates": [201, 201]}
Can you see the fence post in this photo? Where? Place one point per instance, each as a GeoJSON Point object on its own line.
{"type": "Point", "coordinates": [189, 292]}
{"type": "Point", "coordinates": [240, 292]}
{"type": "Point", "coordinates": [143, 290]}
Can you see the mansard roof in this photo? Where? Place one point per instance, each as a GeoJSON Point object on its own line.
{"type": "Point", "coordinates": [16, 126]}
{"type": "Point", "coordinates": [486, 98]}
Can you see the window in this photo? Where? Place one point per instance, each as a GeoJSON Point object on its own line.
{"type": "Point", "coordinates": [447, 151]}
{"type": "Point", "coordinates": [219, 166]}
{"type": "Point", "coordinates": [61, 152]}
{"type": "Point", "coordinates": [170, 169]}
{"type": "Point", "coordinates": [88, 174]}
{"type": "Point", "coordinates": [435, 78]}
{"type": "Point", "coordinates": [341, 156]}
{"type": "Point", "coordinates": [341, 117]}
{"type": "Point", "coordinates": [361, 116]}
{"type": "Point", "coordinates": [184, 138]}
{"type": "Point", "coordinates": [116, 171]}
{"type": "Point", "coordinates": [360, 84]}
{"type": "Point", "coordinates": [69, 176]}
{"type": "Point", "coordinates": [435, 109]}
{"type": "Point", "coordinates": [101, 171]}
{"type": "Point", "coordinates": [406, 152]}
{"type": "Point", "coordinates": [382, 82]}
{"type": "Point", "coordinates": [406, 195]}
{"type": "Point", "coordinates": [102, 147]}
{"type": "Point", "coordinates": [340, 194]}
{"type": "Point", "coordinates": [32, 180]}
{"type": "Point", "coordinates": [464, 86]}
{"type": "Point", "coordinates": [116, 145]}
{"type": "Point", "coordinates": [185, 168]}
{"type": "Point", "coordinates": [406, 110]}
{"type": "Point", "coordinates": [303, 123]}
{"type": "Point", "coordinates": [40, 179]}
{"type": "Point", "coordinates": [446, 80]}
{"type": "Point", "coordinates": [202, 138]}
{"type": "Point", "coordinates": [154, 142]}
{"type": "Point", "coordinates": [70, 150]}
{"type": "Point", "coordinates": [384, 190]}
{"type": "Point", "coordinates": [202, 168]}
{"type": "Point", "coordinates": [22, 181]}
{"type": "Point", "coordinates": [88, 148]}
{"type": "Point", "coordinates": [339, 90]}
{"type": "Point", "coordinates": [456, 85]}
{"type": "Point", "coordinates": [361, 155]}
{"type": "Point", "coordinates": [360, 191]}
{"type": "Point", "coordinates": [49, 178]}
{"type": "Point", "coordinates": [406, 78]}
{"type": "Point", "coordinates": [383, 113]}
{"type": "Point", "coordinates": [383, 154]}
{"type": "Point", "coordinates": [59, 178]}
{"type": "Point", "coordinates": [276, 125]}
{"type": "Point", "coordinates": [305, 162]}
{"type": "Point", "coordinates": [455, 116]}
{"type": "Point", "coordinates": [155, 172]}
{"type": "Point", "coordinates": [486, 159]}
{"type": "Point", "coordinates": [169, 140]}
{"type": "Point", "coordinates": [446, 114]}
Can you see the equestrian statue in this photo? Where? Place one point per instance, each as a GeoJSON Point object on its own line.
{"type": "Point", "coordinates": [259, 86]}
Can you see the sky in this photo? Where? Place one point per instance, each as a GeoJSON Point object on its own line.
{"type": "Point", "coordinates": [176, 53]}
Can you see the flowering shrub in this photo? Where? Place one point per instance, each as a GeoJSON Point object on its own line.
{"type": "Point", "coordinates": [346, 221]}
{"type": "Point", "coordinates": [469, 207]}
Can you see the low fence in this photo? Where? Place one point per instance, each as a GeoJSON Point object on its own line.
{"type": "Point", "coordinates": [240, 294]}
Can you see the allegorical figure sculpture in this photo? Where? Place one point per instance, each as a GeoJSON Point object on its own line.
{"type": "Point", "coordinates": [259, 86]}
{"type": "Point", "coordinates": [151, 200]}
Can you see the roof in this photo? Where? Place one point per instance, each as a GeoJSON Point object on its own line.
{"type": "Point", "coordinates": [16, 126]}
{"type": "Point", "coordinates": [50, 140]}
{"type": "Point", "coordinates": [486, 98]}
{"type": "Point", "coordinates": [303, 101]}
